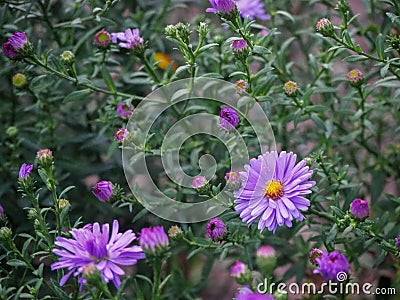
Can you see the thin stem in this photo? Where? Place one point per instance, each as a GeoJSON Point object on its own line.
{"type": "Point", "coordinates": [156, 279]}
{"type": "Point", "coordinates": [149, 69]}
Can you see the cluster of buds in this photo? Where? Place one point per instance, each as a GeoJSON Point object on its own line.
{"type": "Point", "coordinates": [180, 32]}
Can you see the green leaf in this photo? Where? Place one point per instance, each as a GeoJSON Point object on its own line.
{"type": "Point", "coordinates": [77, 95]}
{"type": "Point", "coordinates": [380, 46]}
{"type": "Point", "coordinates": [108, 79]}
{"type": "Point", "coordinates": [16, 263]}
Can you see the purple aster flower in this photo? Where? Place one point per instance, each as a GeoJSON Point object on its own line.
{"type": "Point", "coordinates": [152, 238]}
{"type": "Point", "coordinates": [1, 212]}
{"type": "Point", "coordinates": [103, 190]}
{"type": "Point", "coordinates": [240, 86]}
{"type": "Point", "coordinates": [123, 110]}
{"type": "Point", "coordinates": [129, 39]}
{"type": "Point", "coordinates": [121, 134]}
{"type": "Point", "coordinates": [355, 77]}
{"type": "Point", "coordinates": [102, 38]}
{"type": "Point", "coordinates": [228, 118]}
{"type": "Point", "coordinates": [398, 243]}
{"type": "Point", "coordinates": [13, 48]}
{"type": "Point", "coordinates": [221, 6]}
{"type": "Point", "coordinates": [272, 190]}
{"type": "Point", "coordinates": [254, 9]}
{"type": "Point", "coordinates": [290, 88]}
{"type": "Point", "coordinates": [96, 246]}
{"type": "Point", "coordinates": [239, 45]}
{"type": "Point", "coordinates": [332, 265]}
{"type": "Point", "coordinates": [25, 171]}
{"type": "Point", "coordinates": [238, 269]}
{"type": "Point", "coordinates": [359, 208]}
{"type": "Point", "coordinates": [246, 294]}
{"type": "Point", "coordinates": [216, 229]}
{"type": "Point", "coordinates": [314, 254]}
{"type": "Point", "coordinates": [199, 182]}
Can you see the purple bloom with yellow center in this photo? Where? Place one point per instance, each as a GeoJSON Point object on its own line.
{"type": "Point", "coordinates": [239, 45]}
{"type": "Point", "coordinates": [129, 39]}
{"type": "Point", "coordinates": [102, 38]}
{"type": "Point", "coordinates": [152, 238]}
{"type": "Point", "coordinates": [25, 171]}
{"type": "Point", "coordinates": [240, 86]}
{"type": "Point", "coordinates": [272, 190]}
{"type": "Point", "coordinates": [246, 294]}
{"type": "Point", "coordinates": [14, 45]}
{"type": "Point", "coordinates": [221, 6]}
{"type": "Point", "coordinates": [123, 110]}
{"type": "Point", "coordinates": [96, 247]}
{"type": "Point", "coordinates": [216, 229]}
{"type": "Point", "coordinates": [103, 190]}
{"type": "Point", "coordinates": [121, 134]}
{"type": "Point", "coordinates": [355, 77]}
{"type": "Point", "coordinates": [332, 265]}
{"type": "Point", "coordinates": [290, 88]}
{"type": "Point", "coordinates": [254, 9]}
{"type": "Point", "coordinates": [359, 208]}
{"type": "Point", "coordinates": [228, 118]}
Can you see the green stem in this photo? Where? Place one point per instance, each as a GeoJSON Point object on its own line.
{"type": "Point", "coordinates": [149, 69]}
{"type": "Point", "coordinates": [156, 279]}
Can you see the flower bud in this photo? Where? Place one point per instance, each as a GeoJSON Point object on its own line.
{"type": "Point", "coordinates": [240, 272]}
{"type": "Point", "coordinates": [102, 39]}
{"type": "Point", "coordinates": [19, 80]}
{"type": "Point", "coordinates": [240, 86]}
{"type": "Point", "coordinates": [5, 233]}
{"type": "Point", "coordinates": [203, 29]}
{"type": "Point", "coordinates": [153, 240]}
{"type": "Point", "coordinates": [45, 157]}
{"type": "Point", "coordinates": [12, 131]}
{"type": "Point", "coordinates": [17, 46]}
{"type": "Point", "coordinates": [62, 203]}
{"type": "Point", "coordinates": [200, 184]}
{"type": "Point", "coordinates": [67, 58]}
{"type": "Point", "coordinates": [355, 78]}
{"type": "Point", "coordinates": [216, 229]}
{"type": "Point", "coordinates": [314, 254]}
{"type": "Point", "coordinates": [120, 135]}
{"type": "Point", "coordinates": [266, 259]}
{"type": "Point", "coordinates": [359, 208]}
{"type": "Point", "coordinates": [290, 88]}
{"type": "Point", "coordinates": [175, 232]}
{"type": "Point", "coordinates": [2, 215]}
{"type": "Point", "coordinates": [233, 179]}
{"type": "Point", "coordinates": [325, 27]}
{"type": "Point", "coordinates": [32, 214]}
{"type": "Point", "coordinates": [398, 243]}
{"type": "Point", "coordinates": [103, 190]}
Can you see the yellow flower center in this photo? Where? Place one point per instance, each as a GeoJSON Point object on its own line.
{"type": "Point", "coordinates": [102, 37]}
{"type": "Point", "coordinates": [274, 190]}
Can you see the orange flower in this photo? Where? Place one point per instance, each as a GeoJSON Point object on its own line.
{"type": "Point", "coordinates": [163, 61]}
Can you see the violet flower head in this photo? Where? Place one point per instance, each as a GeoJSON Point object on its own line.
{"type": "Point", "coordinates": [129, 39]}
{"type": "Point", "coordinates": [221, 6]}
{"type": "Point", "coordinates": [254, 9]}
{"type": "Point", "coordinates": [96, 246]}
{"type": "Point", "coordinates": [102, 38]}
{"type": "Point", "coordinates": [359, 208]}
{"type": "Point", "coordinates": [103, 190]}
{"type": "Point", "coordinates": [216, 229]}
{"type": "Point", "coordinates": [246, 294]}
{"type": "Point", "coordinates": [153, 238]}
{"type": "Point", "coordinates": [239, 45]}
{"type": "Point", "coordinates": [240, 86]}
{"type": "Point", "coordinates": [238, 269]}
{"type": "Point", "coordinates": [398, 243]}
{"type": "Point", "coordinates": [25, 171]}
{"type": "Point", "coordinates": [124, 111]}
{"type": "Point", "coordinates": [314, 254]}
{"type": "Point", "coordinates": [199, 182]}
{"type": "Point", "coordinates": [332, 265]}
{"type": "Point", "coordinates": [228, 118]}
{"type": "Point", "coordinates": [273, 189]}
{"type": "Point", "coordinates": [121, 134]}
{"type": "Point", "coordinates": [1, 212]}
{"type": "Point", "coordinates": [15, 45]}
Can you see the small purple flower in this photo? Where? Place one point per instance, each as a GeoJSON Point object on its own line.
{"type": "Point", "coordinates": [264, 32]}
{"type": "Point", "coordinates": [240, 86]}
{"type": "Point", "coordinates": [121, 134]}
{"type": "Point", "coordinates": [238, 269]}
{"type": "Point", "coordinates": [273, 189]}
{"type": "Point", "coordinates": [152, 238]}
{"type": "Point", "coordinates": [233, 179]}
{"type": "Point", "coordinates": [265, 251]}
{"type": "Point", "coordinates": [96, 247]}
{"type": "Point", "coordinates": [216, 229]}
{"type": "Point", "coordinates": [102, 38]}
{"type": "Point", "coordinates": [254, 9]}
{"type": "Point", "coordinates": [355, 77]}
{"type": "Point", "coordinates": [44, 155]}
{"type": "Point", "coordinates": [246, 294]}
{"type": "Point", "coordinates": [359, 208]}
{"type": "Point", "coordinates": [314, 254]}
{"type": "Point", "coordinates": [129, 39]}
{"type": "Point", "coordinates": [332, 265]}
{"type": "Point", "coordinates": [14, 46]}
{"type": "Point", "coordinates": [123, 110]}
{"type": "Point", "coordinates": [239, 45]}
{"type": "Point", "coordinates": [290, 88]}
{"type": "Point", "coordinates": [1, 212]}
{"type": "Point", "coordinates": [25, 171]}
{"type": "Point", "coordinates": [103, 190]}
{"type": "Point", "coordinates": [228, 118]}
{"type": "Point", "coordinates": [221, 6]}
{"type": "Point", "coordinates": [199, 182]}
{"type": "Point", "coordinates": [398, 243]}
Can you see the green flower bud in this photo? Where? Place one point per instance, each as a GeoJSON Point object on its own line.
{"type": "Point", "coordinates": [67, 58]}
{"type": "Point", "coordinates": [19, 80]}
{"type": "Point", "coordinates": [12, 131]}
{"type": "Point", "coordinates": [5, 233]}
{"type": "Point", "coordinates": [266, 259]}
{"type": "Point", "coordinates": [325, 27]}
